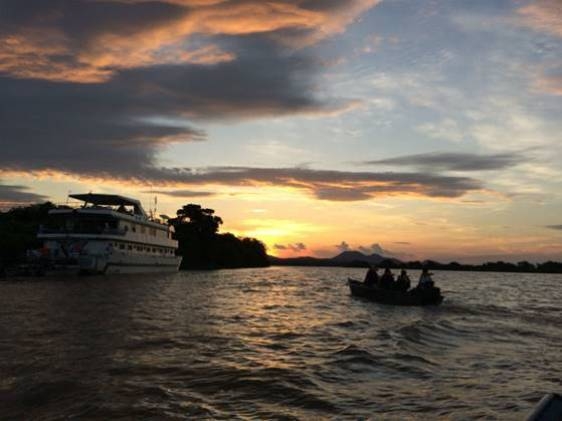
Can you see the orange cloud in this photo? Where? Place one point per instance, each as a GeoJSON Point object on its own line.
{"type": "Point", "coordinates": [29, 54]}
{"type": "Point", "coordinates": [543, 16]}
{"type": "Point", "coordinates": [329, 185]}
{"type": "Point", "coordinates": [550, 84]}
{"type": "Point", "coordinates": [46, 50]}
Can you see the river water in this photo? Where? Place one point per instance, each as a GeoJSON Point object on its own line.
{"type": "Point", "coordinates": [280, 343]}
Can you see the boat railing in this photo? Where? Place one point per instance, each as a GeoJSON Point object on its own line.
{"type": "Point", "coordinates": [99, 231]}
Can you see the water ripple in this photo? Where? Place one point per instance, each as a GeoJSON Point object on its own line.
{"type": "Point", "coordinates": [279, 343]}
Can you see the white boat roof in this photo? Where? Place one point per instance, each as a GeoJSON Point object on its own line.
{"type": "Point", "coordinates": [105, 199]}
{"type": "Point", "coordinates": [100, 199]}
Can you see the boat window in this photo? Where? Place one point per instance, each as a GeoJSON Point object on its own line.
{"type": "Point", "coordinates": [143, 229]}
{"type": "Point", "coordinates": [130, 247]}
{"type": "Point", "coordinates": [77, 223]}
{"type": "Point", "coordinates": [134, 228]}
{"type": "Point", "coordinates": [122, 246]}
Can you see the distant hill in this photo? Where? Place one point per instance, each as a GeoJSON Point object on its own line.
{"type": "Point", "coordinates": [345, 259]}
{"type": "Point", "coordinates": [358, 259]}
{"type": "Point", "coordinates": [355, 256]}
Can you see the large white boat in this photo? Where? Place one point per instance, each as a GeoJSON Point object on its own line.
{"type": "Point", "coordinates": [108, 234]}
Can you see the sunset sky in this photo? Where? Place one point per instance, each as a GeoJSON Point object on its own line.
{"type": "Point", "coordinates": [418, 130]}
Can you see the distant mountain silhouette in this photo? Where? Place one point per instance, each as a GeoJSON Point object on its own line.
{"type": "Point", "coordinates": [348, 258]}
{"type": "Point", "coordinates": [356, 256]}
{"type": "Point", "coordinates": [352, 258]}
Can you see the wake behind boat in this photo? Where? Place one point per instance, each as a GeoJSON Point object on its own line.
{"type": "Point", "coordinates": [413, 297]}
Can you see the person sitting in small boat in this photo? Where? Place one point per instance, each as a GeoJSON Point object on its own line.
{"type": "Point", "coordinates": [387, 279]}
{"type": "Point", "coordinates": [372, 277]}
{"type": "Point", "coordinates": [403, 281]}
{"type": "Point", "coordinates": [425, 279]}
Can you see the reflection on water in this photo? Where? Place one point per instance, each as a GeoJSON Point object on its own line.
{"type": "Point", "coordinates": [280, 343]}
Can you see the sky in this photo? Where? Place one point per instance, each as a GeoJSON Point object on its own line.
{"type": "Point", "coordinates": [413, 129]}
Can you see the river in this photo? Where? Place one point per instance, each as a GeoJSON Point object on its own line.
{"type": "Point", "coordinates": [281, 343]}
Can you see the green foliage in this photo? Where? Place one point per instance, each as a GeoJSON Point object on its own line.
{"type": "Point", "coordinates": [202, 247]}
{"type": "Point", "coordinates": [18, 231]}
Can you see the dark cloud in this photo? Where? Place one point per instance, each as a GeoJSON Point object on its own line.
{"type": "Point", "coordinates": [119, 126]}
{"type": "Point", "coordinates": [406, 243]}
{"type": "Point", "coordinates": [115, 94]}
{"type": "Point", "coordinates": [181, 193]}
{"type": "Point", "coordinates": [343, 246]}
{"type": "Point", "coordinates": [296, 247]}
{"type": "Point", "coordinates": [375, 248]}
{"type": "Point", "coordinates": [88, 40]}
{"type": "Point", "coordinates": [324, 184]}
{"type": "Point", "coordinates": [454, 161]}
{"type": "Point", "coordinates": [100, 87]}
{"type": "Point", "coordinates": [554, 227]}
{"type": "Point", "coordinates": [378, 249]}
{"type": "Point", "coordinates": [13, 195]}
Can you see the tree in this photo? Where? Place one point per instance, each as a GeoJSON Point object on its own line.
{"type": "Point", "coordinates": [198, 219]}
{"type": "Point", "coordinates": [18, 231]}
{"type": "Point", "coordinates": [202, 247]}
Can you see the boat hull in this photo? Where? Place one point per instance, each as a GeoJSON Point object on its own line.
{"type": "Point", "coordinates": [126, 263]}
{"type": "Point", "coordinates": [414, 297]}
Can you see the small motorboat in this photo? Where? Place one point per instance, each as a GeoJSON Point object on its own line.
{"type": "Point", "coordinates": [413, 297]}
{"type": "Point", "coordinates": [549, 408]}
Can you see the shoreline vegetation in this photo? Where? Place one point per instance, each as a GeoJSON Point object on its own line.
{"type": "Point", "coordinates": [196, 229]}
{"type": "Point", "coordinates": [203, 247]}
{"type": "Point", "coordinates": [499, 266]}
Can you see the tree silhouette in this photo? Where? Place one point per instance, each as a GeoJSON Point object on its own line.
{"type": "Point", "coordinates": [202, 247]}
{"type": "Point", "coordinates": [200, 220]}
{"type": "Point", "coordinates": [18, 231]}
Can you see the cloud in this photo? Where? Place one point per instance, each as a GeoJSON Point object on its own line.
{"type": "Point", "coordinates": [543, 16]}
{"type": "Point", "coordinates": [296, 247]}
{"type": "Point", "coordinates": [343, 246]}
{"type": "Point", "coordinates": [124, 123]}
{"type": "Point", "coordinates": [11, 195]}
{"type": "Point", "coordinates": [89, 41]}
{"type": "Point", "coordinates": [405, 243]}
{"type": "Point", "coordinates": [554, 227]}
{"type": "Point", "coordinates": [128, 107]}
{"type": "Point", "coordinates": [550, 84]}
{"type": "Point", "coordinates": [454, 161]}
{"type": "Point", "coordinates": [323, 184]}
{"type": "Point", "coordinates": [447, 129]}
{"type": "Point", "coordinates": [181, 193]}
{"type": "Point", "coordinates": [99, 88]}
{"type": "Point", "coordinates": [375, 248]}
